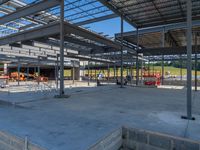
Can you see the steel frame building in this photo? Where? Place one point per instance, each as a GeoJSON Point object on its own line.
{"type": "Point", "coordinates": [41, 30]}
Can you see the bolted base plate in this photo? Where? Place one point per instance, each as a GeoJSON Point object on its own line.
{"type": "Point", "coordinates": [185, 117]}
{"type": "Point", "coordinates": [61, 96]}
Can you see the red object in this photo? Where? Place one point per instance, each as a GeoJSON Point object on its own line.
{"type": "Point", "coordinates": [4, 77]}
{"type": "Point", "coordinates": [152, 79]}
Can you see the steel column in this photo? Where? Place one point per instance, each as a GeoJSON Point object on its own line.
{"type": "Point", "coordinates": [117, 72]}
{"type": "Point", "coordinates": [18, 72]}
{"type": "Point", "coordinates": [114, 71]}
{"type": "Point", "coordinates": [57, 75]}
{"type": "Point", "coordinates": [189, 51]}
{"type": "Point", "coordinates": [137, 60]}
{"type": "Point", "coordinates": [88, 73]}
{"type": "Point", "coordinates": [153, 65]}
{"type": "Point", "coordinates": [62, 92]}
{"type": "Point", "coordinates": [131, 71]}
{"type": "Point", "coordinates": [142, 70]}
{"type": "Point", "coordinates": [181, 66]}
{"type": "Point", "coordinates": [189, 66]}
{"type": "Point", "coordinates": [163, 45]}
{"type": "Point", "coordinates": [196, 62]}
{"type": "Point", "coordinates": [95, 71]}
{"type": "Point", "coordinates": [38, 72]}
{"type": "Point", "coordinates": [73, 72]}
{"type": "Point", "coordinates": [122, 32]}
{"type": "Point", "coordinates": [108, 73]}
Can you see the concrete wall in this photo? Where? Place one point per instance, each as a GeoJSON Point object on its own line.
{"type": "Point", "coordinates": [10, 142]}
{"type": "Point", "coordinates": [137, 139]}
{"type": "Point", "coordinates": [111, 142]}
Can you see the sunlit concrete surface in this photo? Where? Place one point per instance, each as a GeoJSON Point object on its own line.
{"type": "Point", "coordinates": [91, 113]}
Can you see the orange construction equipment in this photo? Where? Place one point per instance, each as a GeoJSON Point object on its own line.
{"type": "Point", "coordinates": [15, 76]}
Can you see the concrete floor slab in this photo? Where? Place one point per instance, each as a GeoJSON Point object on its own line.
{"type": "Point", "coordinates": [91, 113]}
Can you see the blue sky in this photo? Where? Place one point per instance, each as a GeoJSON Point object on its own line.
{"type": "Point", "coordinates": [110, 26]}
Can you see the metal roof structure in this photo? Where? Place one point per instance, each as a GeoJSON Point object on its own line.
{"type": "Point", "coordinates": [79, 12]}
{"type": "Point", "coordinates": [148, 13]}
{"type": "Point", "coordinates": [150, 39]}
{"type": "Point", "coordinates": [37, 22]}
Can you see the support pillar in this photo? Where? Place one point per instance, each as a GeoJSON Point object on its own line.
{"type": "Point", "coordinates": [163, 45]}
{"type": "Point", "coordinates": [62, 88]}
{"type": "Point", "coordinates": [56, 74]}
{"type": "Point", "coordinates": [131, 70]}
{"type": "Point", "coordinates": [108, 73]}
{"type": "Point", "coordinates": [137, 60]}
{"type": "Point", "coordinates": [5, 69]}
{"type": "Point", "coordinates": [18, 72]}
{"type": "Point", "coordinates": [181, 68]}
{"type": "Point", "coordinates": [122, 32]}
{"type": "Point", "coordinates": [153, 65]}
{"type": "Point", "coordinates": [88, 73]}
{"type": "Point", "coordinates": [117, 72]}
{"type": "Point", "coordinates": [189, 66]}
{"type": "Point", "coordinates": [196, 80]}
{"type": "Point", "coordinates": [83, 69]}
{"type": "Point", "coordinates": [73, 72]}
{"type": "Point", "coordinates": [142, 63]}
{"type": "Point", "coordinates": [38, 72]}
{"type": "Point", "coordinates": [95, 71]}
{"type": "Point", "coordinates": [114, 71]}
{"type": "Point", "coordinates": [148, 66]}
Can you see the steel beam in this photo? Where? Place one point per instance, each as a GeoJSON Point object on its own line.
{"type": "Point", "coordinates": [3, 1]}
{"type": "Point", "coordinates": [182, 25]}
{"type": "Point", "coordinates": [105, 2]}
{"type": "Point", "coordinates": [102, 18]}
{"type": "Point", "coordinates": [167, 50]}
{"type": "Point", "coordinates": [70, 28]}
{"type": "Point", "coordinates": [44, 31]}
{"type": "Point", "coordinates": [29, 10]}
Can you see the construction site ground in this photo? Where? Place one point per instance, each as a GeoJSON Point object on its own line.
{"type": "Point", "coordinates": [90, 113]}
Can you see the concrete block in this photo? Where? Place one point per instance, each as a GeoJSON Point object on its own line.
{"type": "Point", "coordinates": [143, 146]}
{"type": "Point", "coordinates": [185, 145]}
{"type": "Point", "coordinates": [138, 136]}
{"type": "Point", "coordinates": [111, 142]}
{"type": "Point", "coordinates": [10, 142]}
{"type": "Point", "coordinates": [160, 141]}
{"type": "Point", "coordinates": [130, 144]}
